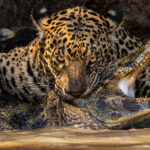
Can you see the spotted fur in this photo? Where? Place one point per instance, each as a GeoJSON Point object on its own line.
{"type": "Point", "coordinates": [69, 54]}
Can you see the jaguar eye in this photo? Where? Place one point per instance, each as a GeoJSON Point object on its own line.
{"type": "Point", "coordinates": [60, 59]}
{"type": "Point", "coordinates": [61, 66]}
{"type": "Point", "coordinates": [93, 59]}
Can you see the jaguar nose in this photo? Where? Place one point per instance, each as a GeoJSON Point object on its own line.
{"type": "Point", "coordinates": [76, 92]}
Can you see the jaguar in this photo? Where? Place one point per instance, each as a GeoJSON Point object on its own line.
{"type": "Point", "coordinates": [69, 54]}
{"type": "Point", "coordinates": [85, 64]}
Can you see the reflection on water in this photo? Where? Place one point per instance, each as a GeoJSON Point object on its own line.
{"type": "Point", "coordinates": [69, 139]}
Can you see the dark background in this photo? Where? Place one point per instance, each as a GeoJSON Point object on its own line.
{"type": "Point", "coordinates": [16, 13]}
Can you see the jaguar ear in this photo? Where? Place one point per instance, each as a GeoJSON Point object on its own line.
{"type": "Point", "coordinates": [40, 15]}
{"type": "Point", "coordinates": [114, 17]}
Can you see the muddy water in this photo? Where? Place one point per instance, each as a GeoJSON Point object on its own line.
{"type": "Point", "coordinates": [73, 139]}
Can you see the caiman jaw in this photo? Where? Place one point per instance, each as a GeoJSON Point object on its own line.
{"type": "Point", "coordinates": [127, 75]}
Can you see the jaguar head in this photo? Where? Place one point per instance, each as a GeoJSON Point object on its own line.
{"type": "Point", "coordinates": [77, 47]}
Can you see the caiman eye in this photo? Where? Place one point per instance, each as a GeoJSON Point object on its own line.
{"type": "Point", "coordinates": [93, 59]}
{"type": "Point", "coordinates": [60, 59]}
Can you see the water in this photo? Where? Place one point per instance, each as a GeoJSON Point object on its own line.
{"type": "Point", "coordinates": [75, 139]}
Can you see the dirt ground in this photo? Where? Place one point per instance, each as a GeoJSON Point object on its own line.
{"type": "Point", "coordinates": [16, 13]}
